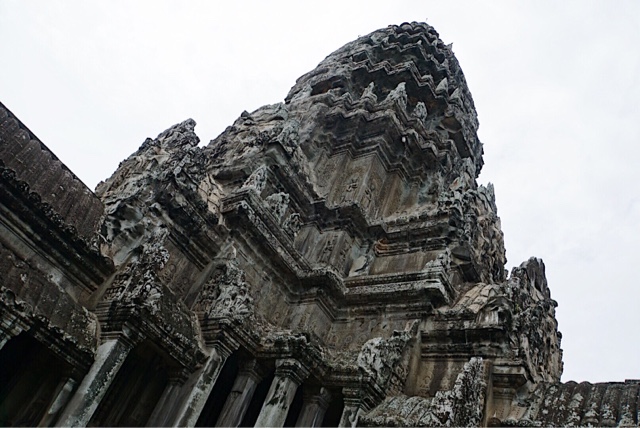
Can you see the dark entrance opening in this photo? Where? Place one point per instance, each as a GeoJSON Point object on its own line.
{"type": "Point", "coordinates": [31, 375]}
{"type": "Point", "coordinates": [257, 401]}
{"type": "Point", "coordinates": [221, 390]}
{"type": "Point", "coordinates": [294, 409]}
{"type": "Point", "coordinates": [135, 391]}
{"type": "Point", "coordinates": [334, 411]}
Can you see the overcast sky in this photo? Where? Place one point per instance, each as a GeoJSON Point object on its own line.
{"type": "Point", "coordinates": [556, 85]}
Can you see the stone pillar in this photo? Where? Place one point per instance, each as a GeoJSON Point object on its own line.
{"type": "Point", "coordinates": [109, 358]}
{"type": "Point", "coordinates": [240, 396]}
{"type": "Point", "coordinates": [352, 408]}
{"type": "Point", "coordinates": [505, 382]}
{"type": "Point", "coordinates": [201, 385]}
{"type": "Point", "coordinates": [10, 327]}
{"type": "Point", "coordinates": [65, 390]}
{"type": "Point", "coordinates": [162, 413]}
{"type": "Point", "coordinates": [289, 375]}
{"type": "Point", "coordinates": [314, 405]}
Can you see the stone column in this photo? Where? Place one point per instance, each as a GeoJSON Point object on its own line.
{"type": "Point", "coordinates": [109, 358]}
{"type": "Point", "coordinates": [289, 375]}
{"type": "Point", "coordinates": [65, 390]}
{"type": "Point", "coordinates": [502, 390]}
{"type": "Point", "coordinates": [165, 407]}
{"type": "Point", "coordinates": [352, 408]}
{"type": "Point", "coordinates": [240, 396]}
{"type": "Point", "coordinates": [10, 327]}
{"type": "Point", "coordinates": [314, 405]}
{"type": "Point", "coordinates": [201, 384]}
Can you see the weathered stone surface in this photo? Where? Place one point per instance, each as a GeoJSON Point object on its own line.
{"type": "Point", "coordinates": [33, 163]}
{"type": "Point", "coordinates": [613, 404]}
{"type": "Point", "coordinates": [338, 240]}
{"type": "Point", "coordinates": [463, 405]}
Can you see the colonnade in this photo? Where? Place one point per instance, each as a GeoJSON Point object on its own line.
{"type": "Point", "coordinates": [181, 397]}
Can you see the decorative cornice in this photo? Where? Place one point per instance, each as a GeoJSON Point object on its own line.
{"type": "Point", "coordinates": [292, 369]}
{"type": "Point", "coordinates": [48, 229]}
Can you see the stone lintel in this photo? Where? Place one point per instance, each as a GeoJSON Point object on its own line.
{"type": "Point", "coordinates": [358, 399]}
{"type": "Point", "coordinates": [17, 316]}
{"type": "Point", "coordinates": [251, 367]}
{"type": "Point", "coordinates": [224, 333]}
{"type": "Point", "coordinates": [124, 318]}
{"type": "Point", "coordinates": [292, 369]}
{"type": "Point", "coordinates": [127, 334]}
{"type": "Point", "coordinates": [353, 395]}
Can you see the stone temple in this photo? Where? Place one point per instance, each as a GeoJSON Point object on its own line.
{"type": "Point", "coordinates": [326, 261]}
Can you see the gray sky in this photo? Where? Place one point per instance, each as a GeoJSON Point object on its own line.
{"type": "Point", "coordinates": [556, 85]}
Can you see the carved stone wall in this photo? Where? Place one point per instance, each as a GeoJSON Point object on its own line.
{"type": "Point", "coordinates": [330, 259]}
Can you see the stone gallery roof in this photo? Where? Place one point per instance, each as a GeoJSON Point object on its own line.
{"type": "Point", "coordinates": [607, 404]}
{"type": "Point", "coordinates": [38, 168]}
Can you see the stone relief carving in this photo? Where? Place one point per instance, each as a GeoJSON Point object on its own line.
{"type": "Point", "coordinates": [324, 173]}
{"type": "Point", "coordinates": [478, 230]}
{"type": "Point", "coordinates": [278, 204]}
{"type": "Point", "coordinates": [226, 294]}
{"type": "Point", "coordinates": [398, 95]}
{"type": "Point", "coordinates": [368, 196]}
{"type": "Point", "coordinates": [524, 307]}
{"type": "Point", "coordinates": [140, 280]}
{"type": "Point", "coordinates": [379, 357]}
{"type": "Point", "coordinates": [534, 329]}
{"type": "Point", "coordinates": [463, 405]}
{"type": "Point", "coordinates": [443, 87]}
{"type": "Point", "coordinates": [289, 136]}
{"type": "Point", "coordinates": [292, 224]}
{"type": "Point", "coordinates": [442, 262]}
{"type": "Point", "coordinates": [327, 250]}
{"type": "Point", "coordinates": [257, 180]}
{"type": "Point", "coordinates": [349, 194]}
{"type": "Point", "coordinates": [420, 112]}
{"type": "Point", "coordinates": [369, 93]}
